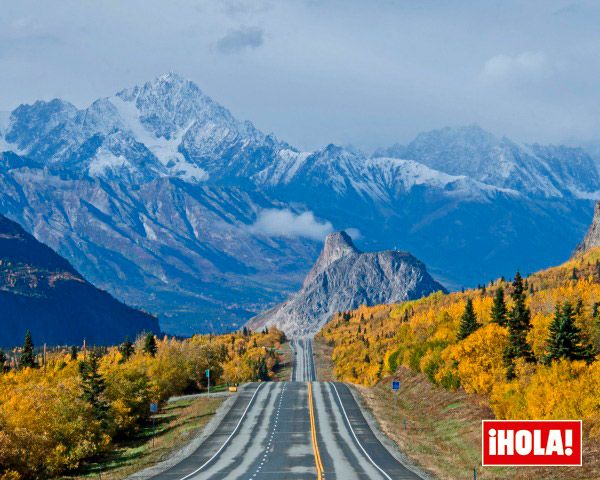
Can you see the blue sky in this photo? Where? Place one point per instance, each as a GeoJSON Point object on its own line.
{"type": "Point", "coordinates": [316, 72]}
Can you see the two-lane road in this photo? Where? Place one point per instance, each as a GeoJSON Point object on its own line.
{"type": "Point", "coordinates": [301, 429]}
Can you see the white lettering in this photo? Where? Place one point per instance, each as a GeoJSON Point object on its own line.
{"type": "Point", "coordinates": [555, 444]}
{"type": "Point", "coordinates": [492, 441]}
{"type": "Point", "coordinates": [537, 443]}
{"type": "Point", "coordinates": [506, 442]}
{"type": "Point", "coordinates": [523, 442]}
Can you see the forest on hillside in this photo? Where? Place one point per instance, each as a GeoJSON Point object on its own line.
{"type": "Point", "coordinates": [530, 347]}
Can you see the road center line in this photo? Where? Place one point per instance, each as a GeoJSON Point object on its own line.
{"type": "Point", "coordinates": [313, 434]}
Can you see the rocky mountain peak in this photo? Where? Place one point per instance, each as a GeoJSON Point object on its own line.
{"type": "Point", "coordinates": [337, 245]}
{"type": "Point", "coordinates": [592, 237]}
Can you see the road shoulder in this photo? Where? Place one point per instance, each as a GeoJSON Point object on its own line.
{"type": "Point", "coordinates": [181, 454]}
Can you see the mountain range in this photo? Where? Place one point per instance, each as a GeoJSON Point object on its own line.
{"type": "Point", "coordinates": [161, 197]}
{"type": "Point", "coordinates": [344, 278]}
{"type": "Point", "coordinates": [40, 291]}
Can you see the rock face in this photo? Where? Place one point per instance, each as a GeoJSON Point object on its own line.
{"type": "Point", "coordinates": [344, 278]}
{"type": "Point", "coordinates": [40, 291]}
{"type": "Point", "coordinates": [592, 238]}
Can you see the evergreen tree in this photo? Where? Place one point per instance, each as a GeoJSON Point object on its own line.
{"type": "Point", "coordinates": [127, 349]}
{"type": "Point", "coordinates": [27, 355]}
{"type": "Point", "coordinates": [262, 370]}
{"type": "Point", "coordinates": [519, 324]}
{"type": "Point", "coordinates": [499, 310]}
{"type": "Point", "coordinates": [74, 352]}
{"type": "Point", "coordinates": [468, 321]}
{"type": "Point", "coordinates": [150, 345]}
{"type": "Point", "coordinates": [596, 310]}
{"type": "Point", "coordinates": [564, 340]}
{"type": "Point", "coordinates": [2, 361]}
{"type": "Point", "coordinates": [93, 385]}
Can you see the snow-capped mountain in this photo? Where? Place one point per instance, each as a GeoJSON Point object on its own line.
{"type": "Point", "coordinates": [156, 193]}
{"type": "Point", "coordinates": [547, 171]}
{"type": "Point", "coordinates": [167, 127]}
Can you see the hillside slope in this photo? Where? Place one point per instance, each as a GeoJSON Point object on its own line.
{"type": "Point", "coordinates": [40, 291]}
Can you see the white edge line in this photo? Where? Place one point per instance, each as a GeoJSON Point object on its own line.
{"type": "Point", "coordinates": [354, 434]}
{"type": "Point", "coordinates": [228, 438]}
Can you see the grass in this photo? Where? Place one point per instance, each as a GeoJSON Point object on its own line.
{"type": "Point", "coordinates": [176, 424]}
{"type": "Point", "coordinates": [322, 358]}
{"type": "Point", "coordinates": [284, 371]}
{"type": "Point", "coordinates": [443, 431]}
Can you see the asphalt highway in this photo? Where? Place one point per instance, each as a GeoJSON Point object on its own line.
{"type": "Point", "coordinates": [300, 429]}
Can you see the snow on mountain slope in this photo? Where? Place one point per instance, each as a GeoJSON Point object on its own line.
{"type": "Point", "coordinates": [545, 171]}
{"type": "Point", "coordinates": [179, 127]}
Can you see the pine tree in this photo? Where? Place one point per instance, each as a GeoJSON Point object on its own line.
{"type": "Point", "coordinates": [468, 321]}
{"type": "Point", "coordinates": [564, 339]}
{"type": "Point", "coordinates": [27, 355]}
{"type": "Point", "coordinates": [519, 324]}
{"type": "Point", "coordinates": [150, 345]}
{"type": "Point", "coordinates": [93, 385]}
{"type": "Point", "coordinates": [596, 310]}
{"type": "Point", "coordinates": [262, 370]}
{"type": "Point", "coordinates": [74, 352]}
{"type": "Point", "coordinates": [127, 349]}
{"type": "Point", "coordinates": [499, 311]}
{"type": "Point", "coordinates": [2, 361]}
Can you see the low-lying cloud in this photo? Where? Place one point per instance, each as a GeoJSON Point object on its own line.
{"type": "Point", "coordinates": [241, 39]}
{"type": "Point", "coordinates": [525, 63]}
{"type": "Point", "coordinates": [285, 223]}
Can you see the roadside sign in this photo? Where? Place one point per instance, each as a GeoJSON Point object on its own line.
{"type": "Point", "coordinates": [395, 385]}
{"type": "Point", "coordinates": [207, 373]}
{"type": "Point", "coordinates": [153, 407]}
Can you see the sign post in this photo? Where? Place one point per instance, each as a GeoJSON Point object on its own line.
{"type": "Point", "coordinates": [153, 409]}
{"type": "Point", "coordinates": [208, 380]}
{"type": "Point", "coordinates": [395, 385]}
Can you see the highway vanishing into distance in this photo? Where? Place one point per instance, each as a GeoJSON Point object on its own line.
{"type": "Point", "coordinates": [301, 429]}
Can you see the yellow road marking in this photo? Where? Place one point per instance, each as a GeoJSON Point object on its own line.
{"type": "Point", "coordinates": [313, 434]}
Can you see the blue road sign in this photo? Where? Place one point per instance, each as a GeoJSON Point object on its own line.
{"type": "Point", "coordinates": [395, 385]}
{"type": "Point", "coordinates": [153, 407]}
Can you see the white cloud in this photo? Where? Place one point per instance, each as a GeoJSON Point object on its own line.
{"type": "Point", "coordinates": [285, 223]}
{"type": "Point", "coordinates": [354, 233]}
{"type": "Point", "coordinates": [525, 63]}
